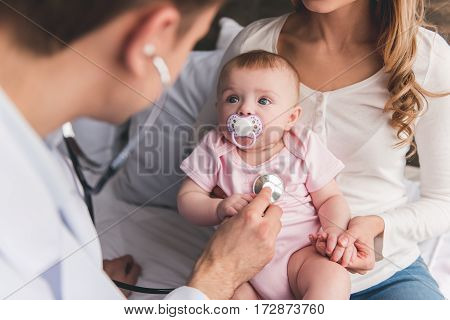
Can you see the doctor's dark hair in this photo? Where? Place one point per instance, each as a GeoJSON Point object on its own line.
{"type": "Point", "coordinates": [36, 23]}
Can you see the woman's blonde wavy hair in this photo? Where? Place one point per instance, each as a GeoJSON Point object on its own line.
{"type": "Point", "coordinates": [399, 22]}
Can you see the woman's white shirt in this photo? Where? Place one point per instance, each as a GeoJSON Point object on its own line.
{"type": "Point", "coordinates": [352, 123]}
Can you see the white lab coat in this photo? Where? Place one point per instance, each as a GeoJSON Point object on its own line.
{"type": "Point", "coordinates": [49, 248]}
{"type": "Point", "coordinates": [48, 245]}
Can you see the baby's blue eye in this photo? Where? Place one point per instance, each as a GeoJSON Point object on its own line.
{"type": "Point", "coordinates": [232, 99]}
{"type": "Point", "coordinates": [264, 101]}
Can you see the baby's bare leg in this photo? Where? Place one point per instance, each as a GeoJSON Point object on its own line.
{"type": "Point", "coordinates": [245, 292]}
{"type": "Point", "coordinates": [314, 277]}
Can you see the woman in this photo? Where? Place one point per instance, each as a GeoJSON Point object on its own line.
{"type": "Point", "coordinates": [372, 80]}
{"type": "Point", "coordinates": [104, 59]}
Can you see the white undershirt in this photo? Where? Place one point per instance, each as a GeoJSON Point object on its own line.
{"type": "Point", "coordinates": [351, 122]}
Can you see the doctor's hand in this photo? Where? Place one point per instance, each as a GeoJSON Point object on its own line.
{"type": "Point", "coordinates": [239, 249]}
{"type": "Point", "coordinates": [123, 269]}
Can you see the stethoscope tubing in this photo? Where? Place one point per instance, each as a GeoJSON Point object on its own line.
{"type": "Point", "coordinates": [88, 191]}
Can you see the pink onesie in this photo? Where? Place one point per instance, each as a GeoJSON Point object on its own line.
{"type": "Point", "coordinates": [305, 165]}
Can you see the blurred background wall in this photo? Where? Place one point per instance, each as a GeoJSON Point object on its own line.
{"type": "Point", "coordinates": [247, 11]}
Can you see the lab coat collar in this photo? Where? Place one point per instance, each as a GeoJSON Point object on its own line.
{"type": "Point", "coordinates": [54, 139]}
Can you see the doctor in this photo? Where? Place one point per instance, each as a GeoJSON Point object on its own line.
{"type": "Point", "coordinates": [60, 60]}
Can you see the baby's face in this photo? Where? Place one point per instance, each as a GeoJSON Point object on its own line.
{"type": "Point", "coordinates": [271, 94]}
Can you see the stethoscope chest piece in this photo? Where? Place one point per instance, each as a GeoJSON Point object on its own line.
{"type": "Point", "coordinates": [271, 181]}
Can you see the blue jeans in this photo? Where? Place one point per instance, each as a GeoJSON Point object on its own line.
{"type": "Point", "coordinates": [412, 283]}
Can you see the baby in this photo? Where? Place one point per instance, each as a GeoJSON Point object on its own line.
{"type": "Point", "coordinates": [258, 136]}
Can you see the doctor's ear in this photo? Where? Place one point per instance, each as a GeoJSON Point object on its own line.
{"type": "Point", "coordinates": [157, 29]}
{"type": "Point", "coordinates": [296, 113]}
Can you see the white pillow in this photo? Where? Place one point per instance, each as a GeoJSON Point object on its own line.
{"type": "Point", "coordinates": [229, 29]}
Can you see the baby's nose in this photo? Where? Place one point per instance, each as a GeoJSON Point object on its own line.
{"type": "Point", "coordinates": [246, 109]}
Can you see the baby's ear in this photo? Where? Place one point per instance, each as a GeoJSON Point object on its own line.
{"type": "Point", "coordinates": [296, 112]}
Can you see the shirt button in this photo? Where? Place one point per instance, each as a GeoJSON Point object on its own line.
{"type": "Point", "coordinates": [319, 113]}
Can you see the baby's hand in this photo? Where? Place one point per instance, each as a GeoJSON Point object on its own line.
{"type": "Point", "coordinates": [328, 242]}
{"type": "Point", "coordinates": [230, 206]}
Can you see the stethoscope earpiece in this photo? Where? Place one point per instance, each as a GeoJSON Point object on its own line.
{"type": "Point", "coordinates": [159, 63]}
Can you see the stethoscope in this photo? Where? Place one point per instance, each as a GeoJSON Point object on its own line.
{"type": "Point", "coordinates": [80, 161]}
{"type": "Point", "coordinates": [239, 126]}
{"type": "Point", "coordinates": [271, 181]}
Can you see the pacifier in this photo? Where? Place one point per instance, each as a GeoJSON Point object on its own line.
{"type": "Point", "coordinates": [244, 127]}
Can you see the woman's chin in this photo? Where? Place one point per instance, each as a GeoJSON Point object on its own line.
{"type": "Point", "coordinates": [325, 6]}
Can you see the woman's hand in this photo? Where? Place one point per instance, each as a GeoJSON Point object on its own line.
{"type": "Point", "coordinates": [361, 233]}
{"type": "Point", "coordinates": [239, 249]}
{"type": "Point", "coordinates": [326, 243]}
